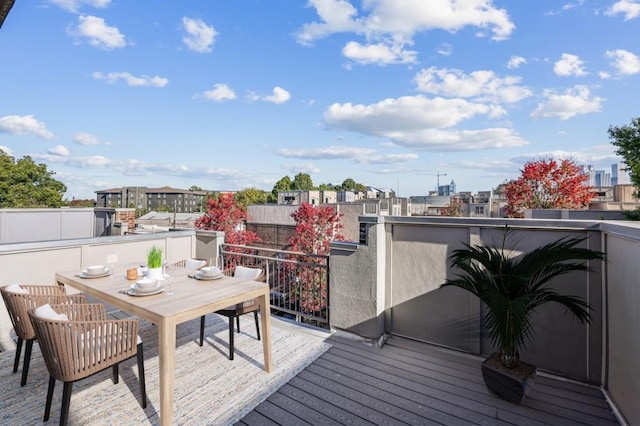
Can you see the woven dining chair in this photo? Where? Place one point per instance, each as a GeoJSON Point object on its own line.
{"type": "Point", "coordinates": [18, 300]}
{"type": "Point", "coordinates": [84, 344]}
{"type": "Point", "coordinates": [190, 263]}
{"type": "Point", "coordinates": [234, 312]}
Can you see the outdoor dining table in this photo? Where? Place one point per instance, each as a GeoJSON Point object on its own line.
{"type": "Point", "coordinates": [189, 299]}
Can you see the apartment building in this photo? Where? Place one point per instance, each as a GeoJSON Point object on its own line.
{"type": "Point", "coordinates": [142, 197]}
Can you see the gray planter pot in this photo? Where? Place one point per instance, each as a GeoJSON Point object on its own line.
{"type": "Point", "coordinates": [511, 385]}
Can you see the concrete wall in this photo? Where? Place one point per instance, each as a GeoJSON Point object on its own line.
{"type": "Point", "coordinates": [350, 219]}
{"type": "Point", "coordinates": [622, 322]}
{"type": "Point", "coordinates": [26, 225]}
{"type": "Point", "coordinates": [416, 263]}
{"type": "Point", "coordinates": [356, 283]}
{"type": "Point", "coordinates": [591, 214]}
{"type": "Point", "coordinates": [277, 214]}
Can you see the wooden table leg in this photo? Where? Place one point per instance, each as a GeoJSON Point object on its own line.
{"type": "Point", "coordinates": [167, 358]}
{"type": "Point", "coordinates": [265, 319]}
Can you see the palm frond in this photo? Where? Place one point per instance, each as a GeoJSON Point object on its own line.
{"type": "Point", "coordinates": [512, 287]}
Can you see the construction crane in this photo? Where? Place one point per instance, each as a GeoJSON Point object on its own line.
{"type": "Point", "coordinates": [437, 175]}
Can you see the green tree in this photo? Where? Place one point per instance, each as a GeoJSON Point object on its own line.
{"type": "Point", "coordinates": [25, 184]}
{"type": "Point", "coordinates": [283, 184]}
{"type": "Point", "coordinates": [195, 188]}
{"type": "Point", "coordinates": [302, 182]}
{"type": "Point", "coordinates": [627, 140]}
{"type": "Point", "coordinates": [328, 187]}
{"type": "Point", "coordinates": [250, 196]}
{"type": "Point", "coordinates": [349, 185]}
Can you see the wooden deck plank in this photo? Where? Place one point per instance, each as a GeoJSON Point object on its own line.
{"type": "Point", "coordinates": [338, 414]}
{"type": "Point", "coordinates": [409, 382]}
{"type": "Point", "coordinates": [256, 419]}
{"type": "Point", "coordinates": [278, 414]}
{"type": "Point", "coordinates": [561, 408]}
{"type": "Point", "coordinates": [302, 411]}
{"type": "Point", "coordinates": [426, 407]}
{"type": "Point", "coordinates": [484, 403]}
{"type": "Point", "coordinates": [349, 401]}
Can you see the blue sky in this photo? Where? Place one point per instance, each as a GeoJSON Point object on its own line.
{"type": "Point", "coordinates": [228, 94]}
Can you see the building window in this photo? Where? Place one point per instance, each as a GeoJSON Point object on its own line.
{"type": "Point", "coordinates": [479, 209]}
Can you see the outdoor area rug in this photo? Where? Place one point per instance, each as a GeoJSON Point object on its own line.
{"type": "Point", "coordinates": [209, 388]}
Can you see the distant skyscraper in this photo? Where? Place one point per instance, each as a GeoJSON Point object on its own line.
{"type": "Point", "coordinates": [602, 179]}
{"type": "Point", "coordinates": [618, 175]}
{"type": "Point", "coordinates": [446, 190]}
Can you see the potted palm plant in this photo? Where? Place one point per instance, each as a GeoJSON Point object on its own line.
{"type": "Point", "coordinates": [512, 287]}
{"type": "Point", "coordinates": [154, 263]}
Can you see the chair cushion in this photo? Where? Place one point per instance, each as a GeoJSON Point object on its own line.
{"type": "Point", "coordinates": [15, 288]}
{"type": "Point", "coordinates": [246, 273]}
{"type": "Point", "coordinates": [194, 263]}
{"type": "Point", "coordinates": [46, 311]}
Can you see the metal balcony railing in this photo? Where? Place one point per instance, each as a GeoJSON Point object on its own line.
{"type": "Point", "coordinates": [298, 282]}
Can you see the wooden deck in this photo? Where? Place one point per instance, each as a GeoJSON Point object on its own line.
{"type": "Point", "coordinates": [407, 382]}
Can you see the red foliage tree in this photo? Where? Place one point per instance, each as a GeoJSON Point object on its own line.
{"type": "Point", "coordinates": [547, 184]}
{"type": "Point", "coordinates": [316, 227]}
{"type": "Point", "coordinates": [224, 214]}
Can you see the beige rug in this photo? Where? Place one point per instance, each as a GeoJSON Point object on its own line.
{"type": "Point", "coordinates": [209, 389]}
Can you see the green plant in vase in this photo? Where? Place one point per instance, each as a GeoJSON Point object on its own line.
{"type": "Point", "coordinates": [154, 262]}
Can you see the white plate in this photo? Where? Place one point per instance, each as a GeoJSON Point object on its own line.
{"type": "Point", "coordinates": [133, 292]}
{"type": "Point", "coordinates": [84, 274]}
{"type": "Point", "coordinates": [151, 290]}
{"type": "Point", "coordinates": [197, 276]}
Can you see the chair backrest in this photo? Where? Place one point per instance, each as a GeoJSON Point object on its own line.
{"type": "Point", "coordinates": [191, 263]}
{"type": "Point", "coordinates": [18, 304]}
{"type": "Point", "coordinates": [247, 273]}
{"type": "Point", "coordinates": [85, 343]}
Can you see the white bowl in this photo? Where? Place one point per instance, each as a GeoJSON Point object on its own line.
{"type": "Point", "coordinates": [210, 271]}
{"type": "Point", "coordinates": [96, 270]}
{"type": "Point", "coordinates": [146, 284]}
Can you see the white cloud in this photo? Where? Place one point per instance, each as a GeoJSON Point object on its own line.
{"type": "Point", "coordinates": [220, 92]}
{"type": "Point", "coordinates": [200, 36]}
{"type": "Point", "coordinates": [59, 150]}
{"type": "Point", "coordinates": [79, 162]}
{"type": "Point", "coordinates": [416, 122]}
{"type": "Point", "coordinates": [379, 53]}
{"type": "Point", "coordinates": [445, 49]}
{"type": "Point", "coordinates": [301, 168]}
{"type": "Point", "coordinates": [569, 65]}
{"type": "Point", "coordinates": [358, 155]}
{"type": "Point", "coordinates": [327, 153]}
{"type": "Point", "coordinates": [629, 8]}
{"type": "Point", "coordinates": [395, 19]}
{"type": "Point", "coordinates": [87, 139]}
{"type": "Point", "coordinates": [574, 101]}
{"type": "Point", "coordinates": [24, 125]}
{"type": "Point", "coordinates": [388, 26]}
{"type": "Point", "coordinates": [6, 150]}
{"type": "Point", "coordinates": [74, 5]}
{"type": "Point", "coordinates": [100, 34]}
{"type": "Point", "coordinates": [604, 75]}
{"type": "Point", "coordinates": [516, 61]}
{"type": "Point", "coordinates": [279, 96]}
{"type": "Point", "coordinates": [624, 61]}
{"type": "Point", "coordinates": [479, 85]}
{"type": "Point", "coordinates": [335, 16]}
{"type": "Point", "coordinates": [131, 80]}
{"type": "Point", "coordinates": [386, 159]}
